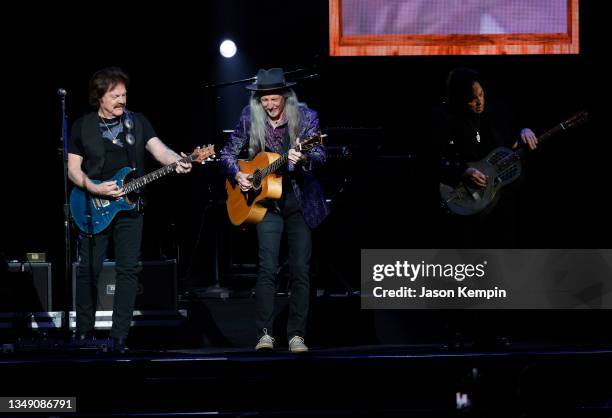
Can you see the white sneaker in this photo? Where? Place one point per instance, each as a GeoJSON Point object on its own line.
{"type": "Point", "coordinates": [296, 345]}
{"type": "Point", "coordinates": [265, 342]}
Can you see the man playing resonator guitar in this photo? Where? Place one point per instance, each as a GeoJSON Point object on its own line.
{"type": "Point", "coordinates": [467, 131]}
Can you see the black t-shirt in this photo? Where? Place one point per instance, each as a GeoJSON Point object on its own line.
{"type": "Point", "coordinates": [116, 156]}
{"type": "Point", "coordinates": [466, 137]}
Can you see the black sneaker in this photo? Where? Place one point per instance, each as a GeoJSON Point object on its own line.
{"type": "Point", "coordinates": [83, 340]}
{"type": "Point", "coordinates": [119, 346]}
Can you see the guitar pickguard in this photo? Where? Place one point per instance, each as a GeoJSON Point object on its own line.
{"type": "Point", "coordinates": [251, 195]}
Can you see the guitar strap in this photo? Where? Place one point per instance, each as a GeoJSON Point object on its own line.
{"type": "Point", "coordinates": [286, 141]}
{"type": "Point", "coordinates": [287, 186]}
{"type": "Point", "coordinates": [277, 206]}
{"type": "Point", "coordinates": [286, 147]}
{"type": "Point", "coordinates": [130, 139]}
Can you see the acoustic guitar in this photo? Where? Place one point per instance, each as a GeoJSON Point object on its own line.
{"type": "Point", "coordinates": [245, 206]}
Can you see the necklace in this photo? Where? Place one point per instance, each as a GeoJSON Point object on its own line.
{"type": "Point", "coordinates": [477, 128]}
{"type": "Point", "coordinates": [114, 140]}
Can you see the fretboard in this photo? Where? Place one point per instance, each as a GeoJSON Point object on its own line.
{"type": "Point", "coordinates": [282, 160]}
{"type": "Point", "coordinates": [275, 165]}
{"type": "Point", "coordinates": [546, 135]}
{"type": "Point", "coordinates": [140, 182]}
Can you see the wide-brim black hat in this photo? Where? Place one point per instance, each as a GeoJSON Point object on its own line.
{"type": "Point", "coordinates": [272, 79]}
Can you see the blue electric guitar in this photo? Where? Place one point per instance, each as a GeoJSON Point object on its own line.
{"type": "Point", "coordinates": [93, 214]}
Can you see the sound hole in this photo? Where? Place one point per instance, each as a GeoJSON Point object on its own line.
{"type": "Point", "coordinates": [256, 180]}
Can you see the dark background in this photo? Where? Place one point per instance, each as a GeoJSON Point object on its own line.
{"type": "Point", "coordinates": [383, 197]}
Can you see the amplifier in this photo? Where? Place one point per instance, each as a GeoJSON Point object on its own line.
{"type": "Point", "coordinates": [27, 288]}
{"type": "Point", "coordinates": [163, 318]}
{"type": "Point", "coordinates": [157, 282]}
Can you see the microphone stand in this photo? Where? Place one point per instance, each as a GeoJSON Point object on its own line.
{"type": "Point", "coordinates": [252, 79]}
{"type": "Point", "coordinates": [215, 291]}
{"type": "Point", "coordinates": [67, 226]}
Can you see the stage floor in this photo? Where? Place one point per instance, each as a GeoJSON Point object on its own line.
{"type": "Point", "coordinates": [525, 379]}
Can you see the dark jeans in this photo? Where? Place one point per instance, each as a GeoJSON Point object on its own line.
{"type": "Point", "coordinates": [126, 231]}
{"type": "Point", "coordinates": [289, 218]}
{"type": "Point", "coordinates": [497, 229]}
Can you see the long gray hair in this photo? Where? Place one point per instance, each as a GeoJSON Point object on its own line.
{"type": "Point", "coordinates": [257, 134]}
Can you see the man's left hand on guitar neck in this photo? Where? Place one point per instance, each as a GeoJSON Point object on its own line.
{"type": "Point", "coordinates": [183, 167]}
{"type": "Point", "coordinates": [295, 156]}
{"type": "Point", "coordinates": [527, 137]}
{"type": "Point", "coordinates": [165, 155]}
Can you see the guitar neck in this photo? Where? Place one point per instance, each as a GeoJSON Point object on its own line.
{"type": "Point", "coordinates": [140, 182]}
{"type": "Point", "coordinates": [283, 159]}
{"type": "Point", "coordinates": [551, 132]}
{"type": "Point", "coordinates": [275, 165]}
{"type": "Point", "coordinates": [545, 136]}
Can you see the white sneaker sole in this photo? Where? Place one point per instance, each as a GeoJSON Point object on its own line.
{"type": "Point", "coordinates": [264, 347]}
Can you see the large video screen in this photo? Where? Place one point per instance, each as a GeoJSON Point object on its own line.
{"type": "Point", "coordinates": [453, 27]}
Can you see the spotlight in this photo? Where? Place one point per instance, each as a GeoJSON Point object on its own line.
{"type": "Point", "coordinates": [228, 48]}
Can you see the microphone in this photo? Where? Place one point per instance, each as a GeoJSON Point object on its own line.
{"type": "Point", "coordinates": [61, 92]}
{"type": "Point", "coordinates": [313, 75]}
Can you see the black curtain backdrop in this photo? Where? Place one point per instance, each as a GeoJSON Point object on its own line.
{"type": "Point", "coordinates": [172, 51]}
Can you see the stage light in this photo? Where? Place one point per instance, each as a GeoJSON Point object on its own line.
{"type": "Point", "coordinates": [228, 48]}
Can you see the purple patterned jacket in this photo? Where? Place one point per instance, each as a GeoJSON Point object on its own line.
{"type": "Point", "coordinates": [308, 190]}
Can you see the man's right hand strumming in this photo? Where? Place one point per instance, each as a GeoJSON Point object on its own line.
{"type": "Point", "coordinates": [244, 181]}
{"type": "Point", "coordinates": [107, 189]}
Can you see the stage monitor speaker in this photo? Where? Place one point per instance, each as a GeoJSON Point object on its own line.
{"type": "Point", "coordinates": [26, 288]}
{"type": "Point", "coordinates": [33, 320]}
{"type": "Point", "coordinates": [157, 282]}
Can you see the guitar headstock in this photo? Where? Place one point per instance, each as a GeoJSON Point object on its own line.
{"type": "Point", "coordinates": [311, 142]}
{"type": "Point", "coordinates": [576, 120]}
{"type": "Point", "coordinates": [201, 154]}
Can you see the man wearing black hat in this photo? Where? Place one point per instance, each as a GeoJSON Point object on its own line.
{"type": "Point", "coordinates": [274, 121]}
